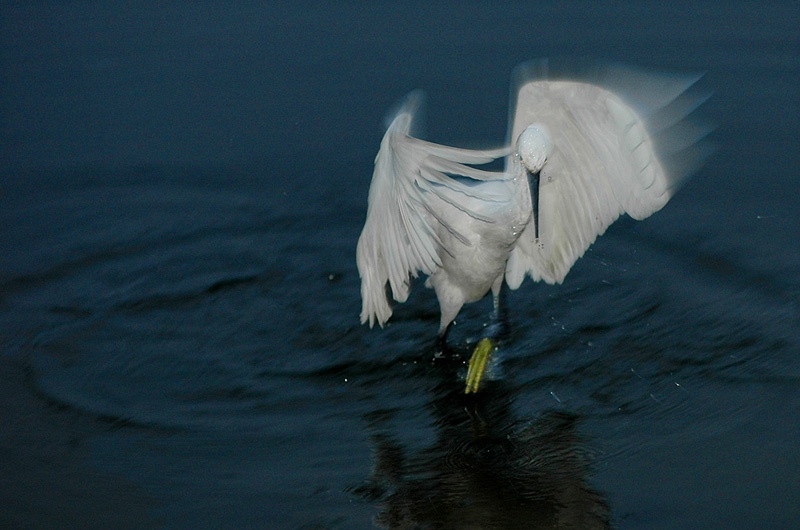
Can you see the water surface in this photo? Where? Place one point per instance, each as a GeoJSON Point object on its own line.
{"type": "Point", "coordinates": [182, 191]}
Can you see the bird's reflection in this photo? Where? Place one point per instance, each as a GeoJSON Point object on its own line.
{"type": "Point", "coordinates": [486, 469]}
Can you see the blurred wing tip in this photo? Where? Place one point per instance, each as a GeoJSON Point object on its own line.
{"type": "Point", "coordinates": [685, 163]}
{"type": "Point", "coordinates": [645, 88]}
{"type": "Point", "coordinates": [413, 105]}
{"type": "Point", "coordinates": [684, 148]}
{"type": "Point", "coordinates": [659, 97]}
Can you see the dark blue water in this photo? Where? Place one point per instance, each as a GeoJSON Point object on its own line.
{"type": "Point", "coordinates": [182, 187]}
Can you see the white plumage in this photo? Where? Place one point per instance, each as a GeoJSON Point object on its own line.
{"type": "Point", "coordinates": [583, 148]}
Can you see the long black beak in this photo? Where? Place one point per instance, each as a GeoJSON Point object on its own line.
{"type": "Point", "coordinates": [533, 182]}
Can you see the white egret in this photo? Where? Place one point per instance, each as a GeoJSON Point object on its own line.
{"type": "Point", "coordinates": [582, 149]}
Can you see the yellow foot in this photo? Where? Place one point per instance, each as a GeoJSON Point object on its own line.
{"type": "Point", "coordinates": [477, 364]}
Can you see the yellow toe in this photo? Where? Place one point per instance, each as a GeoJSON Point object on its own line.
{"type": "Point", "coordinates": [477, 364]}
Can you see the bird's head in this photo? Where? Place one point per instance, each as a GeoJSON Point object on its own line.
{"type": "Point", "coordinates": [534, 146]}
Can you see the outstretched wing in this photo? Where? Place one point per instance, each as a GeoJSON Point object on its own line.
{"type": "Point", "coordinates": [621, 143]}
{"type": "Point", "coordinates": [412, 183]}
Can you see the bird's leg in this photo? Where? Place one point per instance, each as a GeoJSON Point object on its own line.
{"type": "Point", "coordinates": [488, 344]}
{"type": "Point", "coordinates": [497, 327]}
{"type": "Point", "coordinates": [450, 303]}
{"type": "Point", "coordinates": [441, 341]}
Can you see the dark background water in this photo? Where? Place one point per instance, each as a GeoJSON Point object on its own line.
{"type": "Point", "coordinates": [182, 187]}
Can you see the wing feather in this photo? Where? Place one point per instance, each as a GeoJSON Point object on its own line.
{"type": "Point", "coordinates": [616, 135]}
{"type": "Point", "coordinates": [412, 181]}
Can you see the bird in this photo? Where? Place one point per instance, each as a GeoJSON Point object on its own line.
{"type": "Point", "coordinates": [586, 144]}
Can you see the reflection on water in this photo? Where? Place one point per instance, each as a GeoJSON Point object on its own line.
{"type": "Point", "coordinates": [484, 468]}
